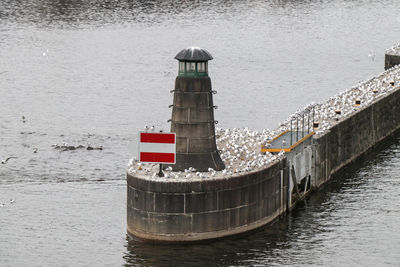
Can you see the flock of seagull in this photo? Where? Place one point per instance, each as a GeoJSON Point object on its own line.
{"type": "Point", "coordinates": [240, 149]}
{"type": "Point", "coordinates": [66, 147]}
{"type": "Point", "coordinates": [394, 50]}
{"type": "Point", "coordinates": [62, 147]}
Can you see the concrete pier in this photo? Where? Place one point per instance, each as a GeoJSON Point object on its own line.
{"type": "Point", "coordinates": [257, 188]}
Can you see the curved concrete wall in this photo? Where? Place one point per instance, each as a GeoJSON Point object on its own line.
{"type": "Point", "coordinates": [190, 210]}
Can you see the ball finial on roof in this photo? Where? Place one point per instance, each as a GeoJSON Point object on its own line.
{"type": "Point", "coordinates": [193, 54]}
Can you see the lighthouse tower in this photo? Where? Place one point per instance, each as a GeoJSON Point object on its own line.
{"type": "Point", "coordinates": [193, 113]}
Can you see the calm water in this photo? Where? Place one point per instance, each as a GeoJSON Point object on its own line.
{"type": "Point", "coordinates": [98, 71]}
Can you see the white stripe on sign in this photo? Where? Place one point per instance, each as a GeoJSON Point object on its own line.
{"type": "Point", "coordinates": [157, 147]}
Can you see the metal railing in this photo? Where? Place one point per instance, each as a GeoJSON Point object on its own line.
{"type": "Point", "coordinates": [302, 116]}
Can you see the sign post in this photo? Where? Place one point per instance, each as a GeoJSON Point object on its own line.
{"type": "Point", "coordinates": [157, 148]}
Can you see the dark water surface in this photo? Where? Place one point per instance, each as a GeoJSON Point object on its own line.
{"type": "Point", "coordinates": [85, 71]}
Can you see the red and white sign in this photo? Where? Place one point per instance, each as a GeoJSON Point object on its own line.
{"type": "Point", "coordinates": [157, 147]}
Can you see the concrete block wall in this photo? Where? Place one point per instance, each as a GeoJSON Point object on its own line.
{"type": "Point", "coordinates": [391, 61]}
{"type": "Point", "coordinates": [353, 136]}
{"type": "Point", "coordinates": [194, 125]}
{"type": "Point", "coordinates": [185, 210]}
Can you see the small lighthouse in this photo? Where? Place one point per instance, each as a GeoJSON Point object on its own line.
{"type": "Point", "coordinates": [193, 113]}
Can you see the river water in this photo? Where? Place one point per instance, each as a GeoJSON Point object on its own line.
{"type": "Point", "coordinates": [98, 71]}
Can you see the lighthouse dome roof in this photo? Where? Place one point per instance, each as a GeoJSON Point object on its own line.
{"type": "Point", "coordinates": [193, 54]}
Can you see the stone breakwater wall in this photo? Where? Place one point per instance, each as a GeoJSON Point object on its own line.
{"type": "Point", "coordinates": [354, 135]}
{"type": "Point", "coordinates": [255, 189]}
{"type": "Point", "coordinates": [199, 209]}
{"type": "Point", "coordinates": [392, 57]}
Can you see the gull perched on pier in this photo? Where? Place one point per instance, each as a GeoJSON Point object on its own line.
{"type": "Point", "coordinates": [169, 168]}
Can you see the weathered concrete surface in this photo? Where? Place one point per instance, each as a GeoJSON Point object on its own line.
{"type": "Point", "coordinates": [171, 210]}
{"type": "Point", "coordinates": [194, 125]}
{"type": "Point", "coordinates": [392, 57]}
{"type": "Point", "coordinates": [391, 61]}
{"type": "Point", "coordinates": [354, 135]}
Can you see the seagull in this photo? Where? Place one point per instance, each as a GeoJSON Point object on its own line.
{"type": "Point", "coordinates": [152, 128]}
{"type": "Point", "coordinates": [23, 119]}
{"type": "Point", "coordinates": [146, 128]}
{"type": "Point", "coordinates": [4, 161]}
{"type": "Point", "coordinates": [45, 53]}
{"type": "Point", "coordinates": [371, 55]}
{"type": "Point", "coordinates": [12, 200]}
{"type": "Point", "coordinates": [35, 150]}
{"type": "Point", "coordinates": [2, 205]}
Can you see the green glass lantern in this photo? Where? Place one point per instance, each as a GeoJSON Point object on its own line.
{"type": "Point", "coordinates": [193, 62]}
